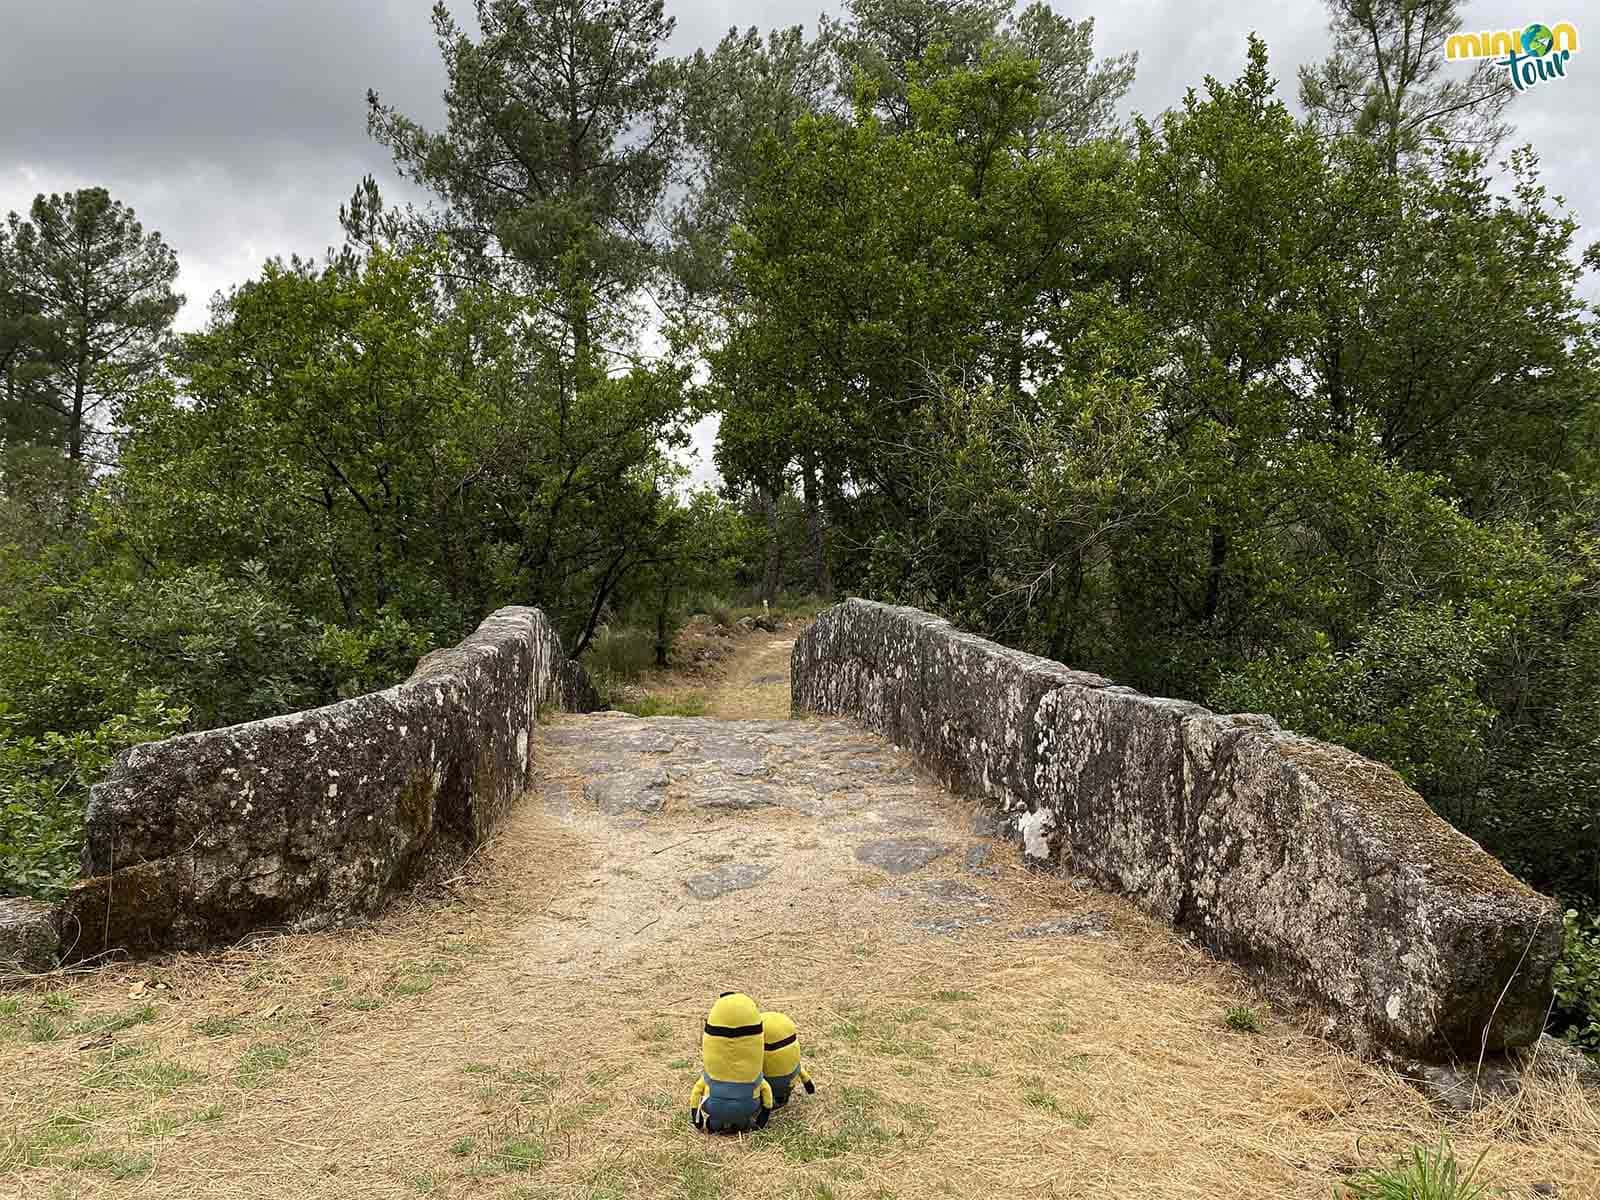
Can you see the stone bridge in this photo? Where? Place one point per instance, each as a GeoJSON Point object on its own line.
{"type": "Point", "coordinates": [1320, 873]}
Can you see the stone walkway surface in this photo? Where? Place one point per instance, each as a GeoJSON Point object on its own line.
{"type": "Point", "coordinates": [747, 823]}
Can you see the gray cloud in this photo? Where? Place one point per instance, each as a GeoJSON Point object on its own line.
{"type": "Point", "coordinates": [238, 129]}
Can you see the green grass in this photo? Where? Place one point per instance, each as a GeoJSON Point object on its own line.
{"type": "Point", "coordinates": [893, 1034]}
{"type": "Point", "coordinates": [165, 1123]}
{"type": "Point", "coordinates": [217, 1027]}
{"type": "Point", "coordinates": [365, 1003]}
{"type": "Point", "coordinates": [951, 997]}
{"type": "Point", "coordinates": [680, 1064]}
{"type": "Point", "coordinates": [260, 1062]}
{"type": "Point", "coordinates": [685, 704]}
{"type": "Point", "coordinates": [854, 1126]}
{"type": "Point", "coordinates": [414, 979]}
{"type": "Point", "coordinates": [462, 1147]}
{"type": "Point", "coordinates": [659, 1032]}
{"type": "Point", "coordinates": [41, 1028]}
{"type": "Point", "coordinates": [139, 1014]}
{"type": "Point", "coordinates": [1433, 1174]}
{"type": "Point", "coordinates": [10, 1006]}
{"type": "Point", "coordinates": [113, 1163]}
{"type": "Point", "coordinates": [696, 1175]}
{"type": "Point", "coordinates": [520, 1154]}
{"type": "Point", "coordinates": [537, 1085]}
{"type": "Point", "coordinates": [976, 1070]}
{"type": "Point", "coordinates": [1036, 1097]}
{"type": "Point", "coordinates": [601, 1076]}
{"type": "Point", "coordinates": [54, 1135]}
{"type": "Point", "coordinates": [60, 1002]}
{"type": "Point", "coordinates": [131, 1067]}
{"type": "Point", "coordinates": [478, 1068]}
{"type": "Point", "coordinates": [1241, 1018]}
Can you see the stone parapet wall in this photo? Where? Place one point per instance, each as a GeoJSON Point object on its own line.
{"type": "Point", "coordinates": [313, 819]}
{"type": "Point", "coordinates": [1317, 869]}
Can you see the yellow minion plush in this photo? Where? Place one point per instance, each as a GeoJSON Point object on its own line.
{"type": "Point", "coordinates": [731, 1094]}
{"type": "Point", "coordinates": [781, 1062]}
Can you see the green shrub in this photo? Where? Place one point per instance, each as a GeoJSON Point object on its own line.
{"type": "Point", "coordinates": [710, 605]}
{"type": "Point", "coordinates": [1577, 1011]}
{"type": "Point", "coordinates": [378, 655]}
{"type": "Point", "coordinates": [1403, 693]}
{"type": "Point", "coordinates": [619, 655]}
{"type": "Point", "coordinates": [80, 647]}
{"type": "Point", "coordinates": [44, 786]}
{"type": "Point", "coordinates": [1241, 1018]}
{"type": "Point", "coordinates": [1421, 1175]}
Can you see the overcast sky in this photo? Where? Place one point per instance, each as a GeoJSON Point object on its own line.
{"type": "Point", "coordinates": [237, 129]}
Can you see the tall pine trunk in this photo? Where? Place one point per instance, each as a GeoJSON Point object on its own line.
{"type": "Point", "coordinates": [774, 567]}
{"type": "Point", "coordinates": [816, 534]}
{"type": "Point", "coordinates": [75, 432]}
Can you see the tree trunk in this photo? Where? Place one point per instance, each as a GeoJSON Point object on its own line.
{"type": "Point", "coordinates": [661, 631]}
{"type": "Point", "coordinates": [1219, 557]}
{"type": "Point", "coordinates": [817, 535]}
{"type": "Point", "coordinates": [75, 433]}
{"type": "Point", "coordinates": [774, 568]}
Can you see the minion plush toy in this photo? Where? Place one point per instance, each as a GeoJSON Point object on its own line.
{"type": "Point", "coordinates": [781, 1063]}
{"type": "Point", "coordinates": [731, 1095]}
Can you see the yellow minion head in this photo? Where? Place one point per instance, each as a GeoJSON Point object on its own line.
{"type": "Point", "coordinates": [732, 1044]}
{"type": "Point", "coordinates": [782, 1045]}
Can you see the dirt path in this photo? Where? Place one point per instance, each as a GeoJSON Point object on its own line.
{"type": "Point", "coordinates": [757, 681]}
{"type": "Point", "coordinates": [974, 1030]}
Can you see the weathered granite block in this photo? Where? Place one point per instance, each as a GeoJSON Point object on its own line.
{"type": "Point", "coordinates": [28, 941]}
{"type": "Point", "coordinates": [1319, 870]}
{"type": "Point", "coordinates": [577, 691]}
{"type": "Point", "coordinates": [312, 819]}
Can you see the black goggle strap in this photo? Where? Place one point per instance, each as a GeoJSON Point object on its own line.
{"type": "Point", "coordinates": [781, 1042]}
{"type": "Point", "coordinates": [732, 1031]}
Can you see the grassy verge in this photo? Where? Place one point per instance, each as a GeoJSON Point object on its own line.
{"type": "Point", "coordinates": [621, 660]}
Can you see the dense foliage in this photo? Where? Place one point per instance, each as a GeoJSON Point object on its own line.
{"type": "Point", "coordinates": [1285, 413]}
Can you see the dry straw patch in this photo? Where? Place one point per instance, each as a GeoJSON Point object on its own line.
{"type": "Point", "coordinates": [751, 683]}
{"type": "Point", "coordinates": [527, 1033]}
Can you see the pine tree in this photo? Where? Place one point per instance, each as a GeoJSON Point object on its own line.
{"type": "Point", "coordinates": [91, 299]}
{"type": "Point", "coordinates": [557, 151]}
{"type": "Point", "coordinates": [1383, 82]}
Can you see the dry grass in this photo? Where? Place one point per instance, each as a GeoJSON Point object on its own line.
{"type": "Point", "coordinates": [534, 1036]}
{"type": "Point", "coordinates": [752, 683]}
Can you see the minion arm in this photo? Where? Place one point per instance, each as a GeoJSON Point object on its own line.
{"type": "Point", "coordinates": [696, 1098]}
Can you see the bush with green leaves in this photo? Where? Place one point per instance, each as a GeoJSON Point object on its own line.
{"type": "Point", "coordinates": [1577, 1010]}
{"type": "Point", "coordinates": [44, 786]}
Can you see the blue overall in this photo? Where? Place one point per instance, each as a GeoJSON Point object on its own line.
{"type": "Point", "coordinates": [782, 1085]}
{"type": "Point", "coordinates": [731, 1106]}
